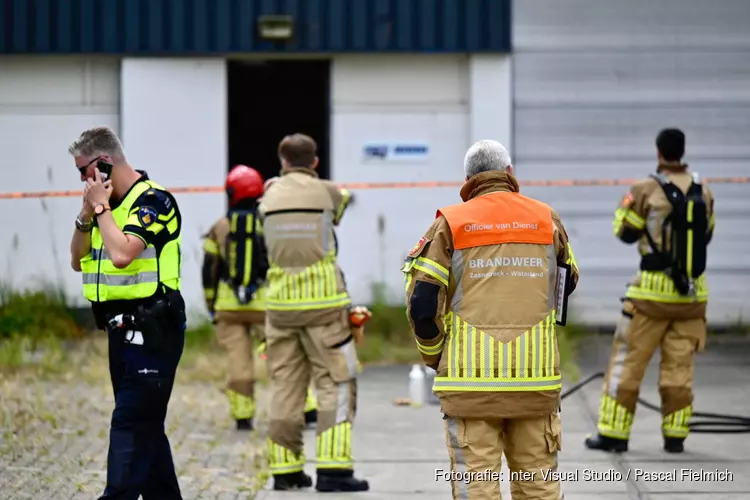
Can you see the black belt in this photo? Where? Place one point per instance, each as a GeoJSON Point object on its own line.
{"type": "Point", "coordinates": [655, 262]}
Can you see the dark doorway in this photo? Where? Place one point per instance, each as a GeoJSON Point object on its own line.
{"type": "Point", "coordinates": [270, 99]}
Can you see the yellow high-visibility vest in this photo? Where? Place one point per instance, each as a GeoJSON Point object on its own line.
{"type": "Point", "coordinates": [103, 282]}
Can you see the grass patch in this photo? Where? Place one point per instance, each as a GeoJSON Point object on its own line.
{"type": "Point", "coordinates": [388, 339]}
{"type": "Point", "coordinates": [37, 315]}
{"type": "Point", "coordinates": [568, 338]}
{"type": "Point", "coordinates": [34, 327]}
{"type": "Point", "coordinates": [37, 327]}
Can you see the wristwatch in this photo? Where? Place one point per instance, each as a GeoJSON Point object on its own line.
{"type": "Point", "coordinates": [82, 226]}
{"type": "Point", "coordinates": [100, 209]}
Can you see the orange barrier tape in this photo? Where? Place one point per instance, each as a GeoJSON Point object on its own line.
{"type": "Point", "coordinates": [391, 185]}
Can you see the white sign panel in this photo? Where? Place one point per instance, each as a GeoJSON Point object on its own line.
{"type": "Point", "coordinates": [396, 152]}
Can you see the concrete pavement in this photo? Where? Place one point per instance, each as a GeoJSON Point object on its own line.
{"type": "Point", "coordinates": [399, 449]}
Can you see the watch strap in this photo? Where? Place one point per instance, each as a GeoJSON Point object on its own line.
{"type": "Point", "coordinates": [106, 207]}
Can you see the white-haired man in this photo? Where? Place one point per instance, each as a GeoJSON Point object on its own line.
{"type": "Point", "coordinates": [127, 247]}
{"type": "Point", "coordinates": [481, 299]}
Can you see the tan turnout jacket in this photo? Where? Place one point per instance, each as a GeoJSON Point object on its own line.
{"type": "Point", "coordinates": [491, 265]}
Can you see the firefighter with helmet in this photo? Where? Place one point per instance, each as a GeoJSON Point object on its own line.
{"type": "Point", "coordinates": [234, 271]}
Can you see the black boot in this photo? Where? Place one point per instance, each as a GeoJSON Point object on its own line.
{"type": "Point", "coordinates": [291, 481]}
{"type": "Point", "coordinates": [674, 445]}
{"type": "Point", "coordinates": [605, 443]}
{"type": "Point", "coordinates": [339, 480]}
{"type": "Point", "coordinates": [244, 424]}
{"type": "Point", "coordinates": [311, 417]}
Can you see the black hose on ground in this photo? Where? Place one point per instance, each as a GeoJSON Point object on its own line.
{"type": "Point", "coordinates": [715, 423]}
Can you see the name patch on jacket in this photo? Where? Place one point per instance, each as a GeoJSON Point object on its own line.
{"type": "Point", "coordinates": [506, 262]}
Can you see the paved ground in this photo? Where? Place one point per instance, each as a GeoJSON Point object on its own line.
{"type": "Point", "coordinates": [53, 440]}
{"type": "Point", "coordinates": [399, 449]}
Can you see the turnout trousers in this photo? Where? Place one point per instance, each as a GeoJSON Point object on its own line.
{"type": "Point", "coordinates": [326, 355]}
{"type": "Point", "coordinates": [530, 446]}
{"type": "Point", "coordinates": [234, 333]}
{"type": "Point", "coordinates": [636, 339]}
{"type": "Point", "coordinates": [139, 459]}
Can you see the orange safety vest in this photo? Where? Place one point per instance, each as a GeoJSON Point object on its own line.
{"type": "Point", "coordinates": [501, 357]}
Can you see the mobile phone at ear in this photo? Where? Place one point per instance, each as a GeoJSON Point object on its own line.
{"type": "Point", "coordinates": [105, 168]}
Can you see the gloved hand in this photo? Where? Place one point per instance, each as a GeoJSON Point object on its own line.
{"type": "Point", "coordinates": [269, 182]}
{"type": "Point", "coordinates": [358, 316]}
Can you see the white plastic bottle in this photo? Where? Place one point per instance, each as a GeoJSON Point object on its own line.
{"type": "Point", "coordinates": [416, 386]}
{"type": "Point", "coordinates": [430, 375]}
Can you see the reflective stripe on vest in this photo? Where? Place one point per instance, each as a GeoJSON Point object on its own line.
{"type": "Point", "coordinates": [226, 300]}
{"type": "Point", "coordinates": [475, 360]}
{"type": "Point", "coordinates": [658, 287]}
{"type": "Point", "coordinates": [103, 282]}
{"type": "Point", "coordinates": [315, 287]}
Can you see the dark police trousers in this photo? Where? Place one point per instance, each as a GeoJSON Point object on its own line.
{"type": "Point", "coordinates": [139, 460]}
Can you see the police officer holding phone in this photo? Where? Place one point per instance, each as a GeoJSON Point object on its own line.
{"type": "Point", "coordinates": [127, 246]}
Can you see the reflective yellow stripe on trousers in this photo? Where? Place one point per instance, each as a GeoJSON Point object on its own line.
{"type": "Point", "coordinates": [334, 447]}
{"type": "Point", "coordinates": [283, 461]}
{"type": "Point", "coordinates": [477, 362]}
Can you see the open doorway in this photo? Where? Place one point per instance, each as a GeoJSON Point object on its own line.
{"type": "Point", "coordinates": [270, 99]}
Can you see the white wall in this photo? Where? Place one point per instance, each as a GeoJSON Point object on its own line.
{"type": "Point", "coordinates": [174, 126]}
{"type": "Point", "coordinates": [45, 103]}
{"type": "Point", "coordinates": [442, 101]}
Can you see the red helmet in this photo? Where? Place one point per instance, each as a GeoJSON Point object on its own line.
{"type": "Point", "coordinates": [243, 182]}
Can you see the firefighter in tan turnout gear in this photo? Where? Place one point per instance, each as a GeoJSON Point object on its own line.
{"type": "Point", "coordinates": [671, 217]}
{"type": "Point", "coordinates": [234, 269]}
{"type": "Point", "coordinates": [308, 330]}
{"type": "Point", "coordinates": [481, 290]}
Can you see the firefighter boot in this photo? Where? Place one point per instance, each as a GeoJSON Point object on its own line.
{"type": "Point", "coordinates": [311, 417]}
{"type": "Point", "coordinates": [339, 480]}
{"type": "Point", "coordinates": [242, 409]}
{"type": "Point", "coordinates": [311, 407]}
{"type": "Point", "coordinates": [674, 445]}
{"type": "Point", "coordinates": [605, 443]}
{"type": "Point", "coordinates": [291, 481]}
{"type": "Point", "coordinates": [244, 424]}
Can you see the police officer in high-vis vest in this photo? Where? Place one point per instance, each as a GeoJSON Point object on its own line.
{"type": "Point", "coordinates": [234, 272]}
{"type": "Point", "coordinates": [308, 327]}
{"type": "Point", "coordinates": [127, 246]}
{"type": "Point", "coordinates": [482, 299]}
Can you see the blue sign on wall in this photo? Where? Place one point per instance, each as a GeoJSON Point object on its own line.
{"type": "Point", "coordinates": [396, 151]}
